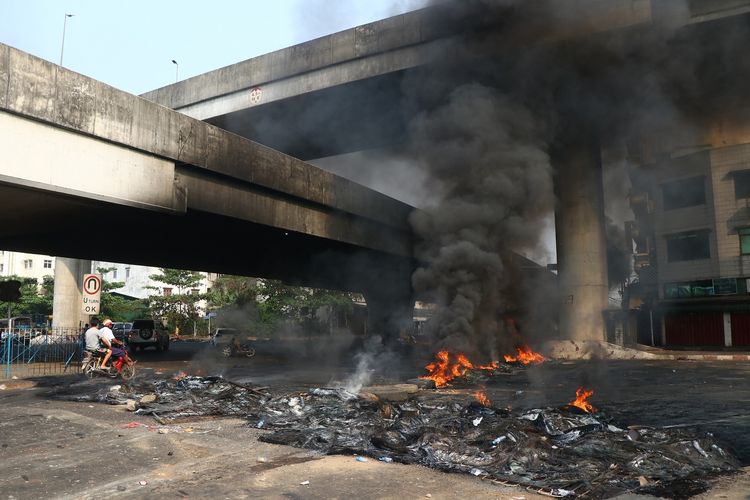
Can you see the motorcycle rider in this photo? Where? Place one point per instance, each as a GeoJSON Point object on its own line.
{"type": "Point", "coordinates": [92, 340]}
{"type": "Point", "coordinates": [107, 338]}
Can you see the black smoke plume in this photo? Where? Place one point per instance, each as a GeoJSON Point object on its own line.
{"type": "Point", "coordinates": [522, 77]}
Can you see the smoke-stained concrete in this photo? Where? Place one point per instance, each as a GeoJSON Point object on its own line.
{"type": "Point", "coordinates": [581, 240]}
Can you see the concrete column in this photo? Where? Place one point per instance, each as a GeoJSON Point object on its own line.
{"type": "Point", "coordinates": [581, 243]}
{"type": "Point", "coordinates": [727, 329]}
{"type": "Point", "coordinates": [66, 305]}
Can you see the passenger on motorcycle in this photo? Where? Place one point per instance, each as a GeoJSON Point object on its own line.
{"type": "Point", "coordinates": [107, 338]}
{"type": "Point", "coordinates": [92, 340]}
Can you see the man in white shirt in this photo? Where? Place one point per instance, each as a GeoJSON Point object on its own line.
{"type": "Point", "coordinates": [92, 340]}
{"type": "Point", "coordinates": [92, 336]}
{"type": "Point", "coordinates": [108, 339]}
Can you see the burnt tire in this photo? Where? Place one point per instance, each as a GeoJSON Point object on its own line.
{"type": "Point", "coordinates": [127, 372]}
{"type": "Point", "coordinates": [250, 352]}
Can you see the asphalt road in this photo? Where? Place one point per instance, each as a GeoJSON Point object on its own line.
{"type": "Point", "coordinates": [51, 448]}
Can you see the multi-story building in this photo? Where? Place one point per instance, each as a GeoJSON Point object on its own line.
{"type": "Point", "coordinates": [138, 283]}
{"type": "Point", "coordinates": [692, 234]}
{"type": "Point", "coordinates": [26, 265]}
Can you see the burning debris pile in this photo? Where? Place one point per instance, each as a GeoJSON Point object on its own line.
{"type": "Point", "coordinates": [450, 367]}
{"type": "Point", "coordinates": [181, 397]}
{"type": "Point", "coordinates": [561, 451]}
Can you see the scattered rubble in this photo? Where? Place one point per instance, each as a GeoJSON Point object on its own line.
{"type": "Point", "coordinates": [559, 451]}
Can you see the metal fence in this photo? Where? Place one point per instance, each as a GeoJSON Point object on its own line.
{"type": "Point", "coordinates": [27, 352]}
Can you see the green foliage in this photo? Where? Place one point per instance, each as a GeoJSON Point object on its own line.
{"type": "Point", "coordinates": [280, 302]}
{"type": "Point", "coordinates": [275, 302]}
{"type": "Point", "coordinates": [179, 308]}
{"type": "Point", "coordinates": [232, 291]}
{"type": "Point", "coordinates": [34, 299]}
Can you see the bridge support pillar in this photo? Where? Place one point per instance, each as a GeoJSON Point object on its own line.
{"type": "Point", "coordinates": [581, 242]}
{"type": "Point", "coordinates": [66, 305]}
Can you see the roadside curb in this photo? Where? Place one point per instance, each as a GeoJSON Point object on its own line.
{"type": "Point", "coordinates": [704, 357]}
{"type": "Point", "coordinates": [588, 349]}
{"type": "Point", "coordinates": [12, 385]}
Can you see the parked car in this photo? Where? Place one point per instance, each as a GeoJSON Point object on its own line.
{"type": "Point", "coordinates": [223, 335]}
{"type": "Point", "coordinates": [121, 330]}
{"type": "Point", "coordinates": [147, 333]}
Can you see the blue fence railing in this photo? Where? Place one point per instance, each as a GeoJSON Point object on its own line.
{"type": "Point", "coordinates": [27, 352]}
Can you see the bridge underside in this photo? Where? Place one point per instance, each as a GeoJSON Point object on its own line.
{"type": "Point", "coordinates": [69, 226]}
{"type": "Point", "coordinates": [360, 115]}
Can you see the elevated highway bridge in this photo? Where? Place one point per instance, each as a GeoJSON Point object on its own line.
{"type": "Point", "coordinates": [92, 172]}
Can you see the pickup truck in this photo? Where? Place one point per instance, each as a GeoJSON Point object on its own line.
{"type": "Point", "coordinates": [147, 333]}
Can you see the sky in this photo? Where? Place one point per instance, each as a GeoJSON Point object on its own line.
{"type": "Point", "coordinates": [131, 44]}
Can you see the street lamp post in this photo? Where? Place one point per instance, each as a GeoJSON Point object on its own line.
{"type": "Point", "coordinates": [176, 70]}
{"type": "Point", "coordinates": [62, 48]}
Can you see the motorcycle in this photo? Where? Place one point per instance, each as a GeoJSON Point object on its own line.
{"type": "Point", "coordinates": [234, 349]}
{"type": "Point", "coordinates": [117, 367]}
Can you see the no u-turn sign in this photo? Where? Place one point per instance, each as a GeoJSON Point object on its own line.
{"type": "Point", "coordinates": [92, 291]}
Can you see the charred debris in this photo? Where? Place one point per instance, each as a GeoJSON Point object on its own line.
{"type": "Point", "coordinates": [560, 452]}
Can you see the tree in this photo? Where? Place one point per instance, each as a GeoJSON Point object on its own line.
{"type": "Point", "coordinates": [180, 306]}
{"type": "Point", "coordinates": [281, 302]}
{"type": "Point", "coordinates": [34, 299]}
{"type": "Point", "coordinates": [232, 291]}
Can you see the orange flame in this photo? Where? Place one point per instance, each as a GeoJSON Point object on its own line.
{"type": "Point", "coordinates": [179, 375]}
{"type": "Point", "coordinates": [525, 356]}
{"type": "Point", "coordinates": [482, 398]}
{"type": "Point", "coordinates": [443, 371]}
{"type": "Point", "coordinates": [580, 401]}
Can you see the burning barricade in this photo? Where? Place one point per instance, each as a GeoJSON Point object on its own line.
{"type": "Point", "coordinates": [566, 451]}
{"type": "Point", "coordinates": [449, 367]}
{"type": "Point", "coordinates": [560, 451]}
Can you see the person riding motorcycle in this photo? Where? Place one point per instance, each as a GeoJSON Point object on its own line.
{"type": "Point", "coordinates": [107, 338]}
{"type": "Point", "coordinates": [92, 341]}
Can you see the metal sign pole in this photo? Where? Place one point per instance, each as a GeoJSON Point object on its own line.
{"type": "Point", "coordinates": [8, 345]}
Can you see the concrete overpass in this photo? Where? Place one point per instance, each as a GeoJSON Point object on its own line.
{"type": "Point", "coordinates": [344, 92]}
{"type": "Point", "coordinates": [92, 172]}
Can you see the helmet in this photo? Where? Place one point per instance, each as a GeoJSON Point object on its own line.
{"type": "Point", "coordinates": [107, 322]}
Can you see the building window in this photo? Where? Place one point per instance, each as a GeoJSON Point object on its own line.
{"type": "Point", "coordinates": [701, 288]}
{"type": "Point", "coordinates": [744, 240]}
{"type": "Point", "coordinates": [691, 245]}
{"type": "Point", "coordinates": [127, 272]}
{"type": "Point", "coordinates": [114, 274]}
{"type": "Point", "coordinates": [167, 292]}
{"type": "Point", "coordinates": [28, 263]}
{"type": "Point", "coordinates": [47, 264]}
{"type": "Point", "coordinates": [741, 183]}
{"type": "Point", "coordinates": [2, 268]}
{"type": "Point", "coordinates": [195, 291]}
{"type": "Point", "coordinates": [684, 193]}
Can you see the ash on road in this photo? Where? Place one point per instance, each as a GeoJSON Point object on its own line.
{"type": "Point", "coordinates": [52, 448]}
